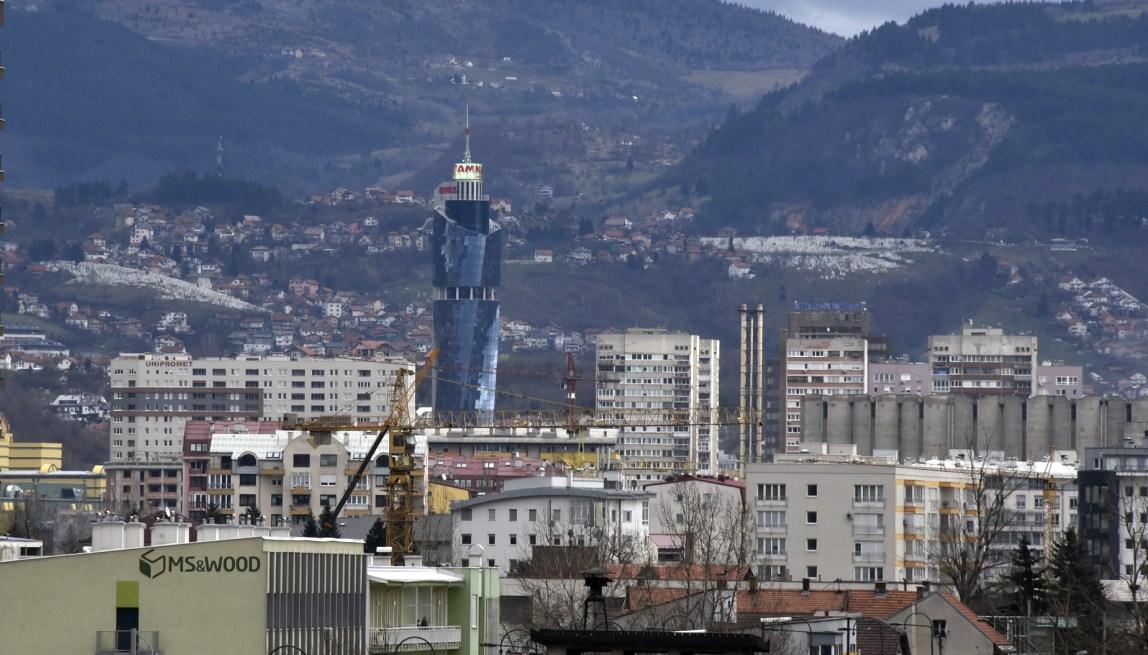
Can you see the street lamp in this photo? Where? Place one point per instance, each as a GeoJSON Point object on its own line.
{"type": "Point", "coordinates": [932, 627]}
{"type": "Point", "coordinates": [278, 649]}
{"type": "Point", "coordinates": [404, 640]}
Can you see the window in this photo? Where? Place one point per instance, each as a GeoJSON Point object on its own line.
{"type": "Point", "coordinates": [914, 494]}
{"type": "Point", "coordinates": [811, 571]}
{"type": "Point", "coordinates": [533, 515]}
{"type": "Point", "coordinates": [811, 545]}
{"type": "Point", "coordinates": [771, 546]}
{"type": "Point", "coordinates": [465, 539]}
{"type": "Point", "coordinates": [811, 490]}
{"type": "Point", "coordinates": [466, 514]}
{"type": "Point", "coordinates": [328, 460]}
{"type": "Point", "coordinates": [491, 514]}
{"type": "Point", "coordinates": [490, 540]}
{"type": "Point", "coordinates": [811, 518]}
{"type": "Point", "coordinates": [771, 519]}
{"type": "Point", "coordinates": [771, 492]}
{"type": "Point", "coordinates": [533, 540]}
{"type": "Point", "coordinates": [490, 563]}
{"type": "Point", "coordinates": [869, 573]}
{"type": "Point", "coordinates": [328, 480]}
{"type": "Point", "coordinates": [301, 460]}
{"type": "Point", "coordinates": [1021, 502]}
{"type": "Point", "coordinates": [513, 540]}
{"type": "Point", "coordinates": [513, 515]}
{"type": "Point", "coordinates": [555, 515]}
{"type": "Point", "coordinates": [869, 493]}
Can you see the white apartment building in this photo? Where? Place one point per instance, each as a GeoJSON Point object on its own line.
{"type": "Point", "coordinates": [820, 367]}
{"type": "Point", "coordinates": [983, 361]}
{"type": "Point", "coordinates": [153, 396]}
{"type": "Point", "coordinates": [503, 529]}
{"type": "Point", "coordinates": [671, 378]}
{"type": "Point", "coordinates": [868, 519]}
{"type": "Point", "coordinates": [289, 475]}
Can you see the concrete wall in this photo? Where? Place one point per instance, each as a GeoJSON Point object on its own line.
{"type": "Point", "coordinates": [922, 427]}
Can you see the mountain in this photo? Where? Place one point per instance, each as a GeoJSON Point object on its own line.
{"type": "Point", "coordinates": [1014, 120]}
{"type": "Point", "coordinates": [343, 92]}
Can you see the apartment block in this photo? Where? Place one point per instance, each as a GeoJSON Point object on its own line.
{"type": "Point", "coordinates": [671, 379]}
{"type": "Point", "coordinates": [872, 519]}
{"type": "Point", "coordinates": [1059, 379]}
{"type": "Point", "coordinates": [155, 395]}
{"type": "Point", "coordinates": [503, 530]}
{"type": "Point", "coordinates": [1114, 512]}
{"type": "Point", "coordinates": [983, 361]}
{"type": "Point", "coordinates": [900, 377]}
{"type": "Point", "coordinates": [288, 475]}
{"type": "Point", "coordinates": [825, 350]}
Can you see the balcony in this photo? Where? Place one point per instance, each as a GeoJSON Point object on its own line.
{"type": "Point", "coordinates": [868, 502]}
{"type": "Point", "coordinates": [868, 557]}
{"type": "Point", "coordinates": [137, 642]}
{"type": "Point", "coordinates": [772, 557]}
{"type": "Point", "coordinates": [772, 529]}
{"type": "Point", "coordinates": [770, 502]}
{"type": "Point", "coordinates": [441, 637]}
{"type": "Point", "coordinates": [868, 530]}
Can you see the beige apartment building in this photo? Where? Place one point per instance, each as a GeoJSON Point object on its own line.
{"type": "Point", "coordinates": [665, 376]}
{"type": "Point", "coordinates": [155, 395]}
{"type": "Point", "coordinates": [289, 475]}
{"type": "Point", "coordinates": [983, 361]}
{"type": "Point", "coordinates": [820, 367]}
{"type": "Point", "coordinates": [830, 517]}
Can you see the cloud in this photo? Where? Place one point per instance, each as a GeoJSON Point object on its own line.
{"type": "Point", "coordinates": [845, 17]}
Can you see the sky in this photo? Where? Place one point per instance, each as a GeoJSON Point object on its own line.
{"type": "Point", "coordinates": [845, 17]}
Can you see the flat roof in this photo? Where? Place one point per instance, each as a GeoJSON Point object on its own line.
{"type": "Point", "coordinates": [569, 492]}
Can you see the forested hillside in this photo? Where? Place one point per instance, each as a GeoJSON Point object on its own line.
{"type": "Point", "coordinates": [1000, 119]}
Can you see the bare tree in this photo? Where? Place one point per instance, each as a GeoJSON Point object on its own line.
{"type": "Point", "coordinates": [715, 533]}
{"type": "Point", "coordinates": [551, 568]}
{"type": "Point", "coordinates": [1134, 524]}
{"type": "Point", "coordinates": [971, 548]}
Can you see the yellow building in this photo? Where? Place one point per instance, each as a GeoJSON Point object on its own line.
{"type": "Point", "coordinates": [442, 495]}
{"type": "Point", "coordinates": [27, 454]}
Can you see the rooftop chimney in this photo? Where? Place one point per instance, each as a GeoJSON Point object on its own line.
{"type": "Point", "coordinates": [880, 589]}
{"type": "Point", "coordinates": [805, 585]}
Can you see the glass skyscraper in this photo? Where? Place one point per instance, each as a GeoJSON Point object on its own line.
{"type": "Point", "coordinates": [467, 248]}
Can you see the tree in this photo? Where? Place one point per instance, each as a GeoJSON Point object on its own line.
{"type": "Point", "coordinates": [74, 252]}
{"type": "Point", "coordinates": [1134, 526]}
{"type": "Point", "coordinates": [41, 250]}
{"type": "Point", "coordinates": [328, 524]}
{"type": "Point", "coordinates": [144, 244]}
{"type": "Point", "coordinates": [969, 549]}
{"type": "Point", "coordinates": [254, 516]}
{"type": "Point", "coordinates": [1075, 592]}
{"type": "Point", "coordinates": [376, 537]}
{"type": "Point", "coordinates": [1027, 580]}
{"type": "Point", "coordinates": [310, 528]}
{"type": "Point", "coordinates": [213, 514]}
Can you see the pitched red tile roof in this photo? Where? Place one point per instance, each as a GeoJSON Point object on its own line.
{"type": "Point", "coordinates": [794, 601]}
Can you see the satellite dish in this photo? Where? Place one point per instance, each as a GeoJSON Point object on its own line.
{"type": "Point", "coordinates": [13, 491]}
{"type": "Point", "coordinates": [167, 512]}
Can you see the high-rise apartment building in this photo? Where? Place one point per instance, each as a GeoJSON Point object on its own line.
{"type": "Point", "coordinates": [466, 246]}
{"type": "Point", "coordinates": [665, 377]}
{"type": "Point", "coordinates": [983, 361]}
{"type": "Point", "coordinates": [825, 351]}
{"type": "Point", "coordinates": [154, 396]}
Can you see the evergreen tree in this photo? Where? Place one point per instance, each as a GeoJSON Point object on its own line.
{"type": "Point", "coordinates": [376, 537]}
{"type": "Point", "coordinates": [310, 528]}
{"type": "Point", "coordinates": [1075, 592]}
{"type": "Point", "coordinates": [328, 525]}
{"type": "Point", "coordinates": [1027, 580]}
{"type": "Point", "coordinates": [254, 516]}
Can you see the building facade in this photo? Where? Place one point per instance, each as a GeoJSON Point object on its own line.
{"type": "Point", "coordinates": [753, 438]}
{"type": "Point", "coordinates": [670, 380]}
{"type": "Point", "coordinates": [870, 519]}
{"type": "Point", "coordinates": [1114, 511]}
{"type": "Point", "coordinates": [825, 350]}
{"type": "Point", "coordinates": [900, 377]}
{"type": "Point", "coordinates": [1059, 379]}
{"type": "Point", "coordinates": [504, 529]}
{"type": "Point", "coordinates": [466, 247]}
{"type": "Point", "coordinates": [983, 361]}
{"type": "Point", "coordinates": [154, 396]}
{"type": "Point", "coordinates": [288, 475]}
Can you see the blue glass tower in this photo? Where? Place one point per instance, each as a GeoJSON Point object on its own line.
{"type": "Point", "coordinates": [467, 249]}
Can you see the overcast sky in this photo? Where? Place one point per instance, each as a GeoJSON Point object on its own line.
{"type": "Point", "coordinates": [845, 17]}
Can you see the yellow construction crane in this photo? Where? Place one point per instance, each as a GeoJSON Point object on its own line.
{"type": "Point", "coordinates": [402, 471]}
{"type": "Point", "coordinates": [400, 426]}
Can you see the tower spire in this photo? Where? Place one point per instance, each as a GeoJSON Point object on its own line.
{"type": "Point", "coordinates": [466, 153]}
